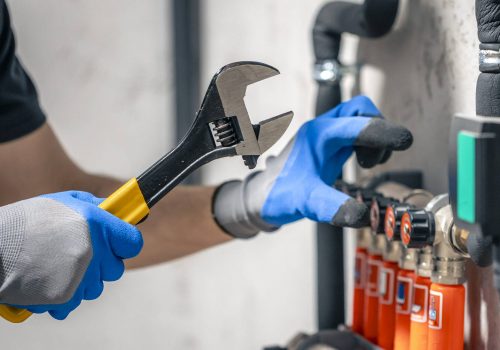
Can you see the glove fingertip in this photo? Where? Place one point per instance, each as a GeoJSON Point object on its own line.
{"type": "Point", "coordinates": [402, 138]}
{"type": "Point", "coordinates": [368, 157]}
{"type": "Point", "coordinates": [94, 291]}
{"type": "Point", "coordinates": [380, 133]}
{"type": "Point", "coordinates": [112, 270]}
{"type": "Point", "coordinates": [59, 315]}
{"type": "Point", "coordinates": [352, 214]}
{"type": "Point", "coordinates": [126, 240]}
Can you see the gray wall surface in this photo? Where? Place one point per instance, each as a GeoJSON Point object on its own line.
{"type": "Point", "coordinates": [422, 74]}
{"type": "Point", "coordinates": [103, 69]}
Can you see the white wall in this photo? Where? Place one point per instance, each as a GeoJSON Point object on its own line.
{"type": "Point", "coordinates": [103, 69]}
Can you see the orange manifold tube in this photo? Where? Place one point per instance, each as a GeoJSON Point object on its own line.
{"type": "Point", "coordinates": [404, 302]}
{"type": "Point", "coordinates": [387, 305]}
{"type": "Point", "coordinates": [370, 318]}
{"type": "Point", "coordinates": [419, 313]}
{"type": "Point", "coordinates": [359, 290]}
{"type": "Point", "coordinates": [446, 317]}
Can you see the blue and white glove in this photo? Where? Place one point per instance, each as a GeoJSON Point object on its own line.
{"type": "Point", "coordinates": [56, 250]}
{"type": "Point", "coordinates": [298, 182]}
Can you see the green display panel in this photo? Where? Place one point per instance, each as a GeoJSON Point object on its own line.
{"type": "Point", "coordinates": [466, 176]}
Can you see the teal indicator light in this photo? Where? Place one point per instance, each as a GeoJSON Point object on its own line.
{"type": "Point", "coordinates": [466, 177]}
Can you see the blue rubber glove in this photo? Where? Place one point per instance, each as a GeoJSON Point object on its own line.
{"type": "Point", "coordinates": [298, 183]}
{"type": "Point", "coordinates": [69, 247]}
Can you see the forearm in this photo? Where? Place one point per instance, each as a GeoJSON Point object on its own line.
{"type": "Point", "coordinates": [179, 225]}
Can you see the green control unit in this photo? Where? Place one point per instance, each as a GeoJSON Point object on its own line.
{"type": "Point", "coordinates": [474, 174]}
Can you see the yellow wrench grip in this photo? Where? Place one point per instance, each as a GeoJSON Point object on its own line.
{"type": "Point", "coordinates": [127, 203]}
{"type": "Point", "coordinates": [13, 314]}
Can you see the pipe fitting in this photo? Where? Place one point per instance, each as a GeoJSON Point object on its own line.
{"type": "Point", "coordinates": [393, 251]}
{"type": "Point", "coordinates": [448, 261]}
{"type": "Point", "coordinates": [424, 267]}
{"type": "Point", "coordinates": [434, 227]}
{"type": "Point", "coordinates": [409, 259]}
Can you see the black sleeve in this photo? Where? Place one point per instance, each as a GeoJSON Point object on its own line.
{"type": "Point", "coordinates": [20, 112]}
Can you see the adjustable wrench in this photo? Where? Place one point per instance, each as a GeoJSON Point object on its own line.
{"type": "Point", "coordinates": [222, 128]}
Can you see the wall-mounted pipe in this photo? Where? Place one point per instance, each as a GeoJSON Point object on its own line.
{"type": "Point", "coordinates": [488, 93]}
{"type": "Point", "coordinates": [371, 19]}
{"type": "Point", "coordinates": [187, 66]}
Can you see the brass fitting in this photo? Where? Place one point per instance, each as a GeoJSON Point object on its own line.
{"type": "Point", "coordinates": [424, 267]}
{"type": "Point", "coordinates": [409, 259]}
{"type": "Point", "coordinates": [448, 254]}
{"type": "Point", "coordinates": [393, 251]}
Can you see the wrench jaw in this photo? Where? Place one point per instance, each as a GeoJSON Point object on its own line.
{"type": "Point", "coordinates": [271, 130]}
{"type": "Point", "coordinates": [231, 82]}
{"type": "Point", "coordinates": [267, 133]}
{"type": "Point", "coordinates": [225, 120]}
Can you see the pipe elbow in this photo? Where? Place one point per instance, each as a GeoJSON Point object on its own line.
{"type": "Point", "coordinates": [371, 19]}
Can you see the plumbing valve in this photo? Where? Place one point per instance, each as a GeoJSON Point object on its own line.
{"type": "Point", "coordinates": [378, 210]}
{"type": "Point", "coordinates": [417, 228]}
{"type": "Point", "coordinates": [393, 217]}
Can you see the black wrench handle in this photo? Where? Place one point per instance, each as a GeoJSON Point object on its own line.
{"type": "Point", "coordinates": [194, 151]}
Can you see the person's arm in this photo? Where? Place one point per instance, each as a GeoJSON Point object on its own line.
{"type": "Point", "coordinates": [296, 184]}
{"type": "Point", "coordinates": [178, 225]}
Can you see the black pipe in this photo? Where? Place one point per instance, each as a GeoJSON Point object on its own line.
{"type": "Point", "coordinates": [488, 91]}
{"type": "Point", "coordinates": [371, 19]}
{"type": "Point", "coordinates": [187, 57]}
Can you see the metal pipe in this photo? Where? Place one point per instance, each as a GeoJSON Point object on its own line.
{"type": "Point", "coordinates": [487, 91]}
{"type": "Point", "coordinates": [187, 58]}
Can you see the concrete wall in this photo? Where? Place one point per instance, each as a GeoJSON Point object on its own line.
{"type": "Point", "coordinates": [422, 74]}
{"type": "Point", "coordinates": [104, 72]}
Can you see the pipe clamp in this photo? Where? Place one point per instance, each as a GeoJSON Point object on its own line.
{"type": "Point", "coordinates": [331, 72]}
{"type": "Point", "coordinates": [489, 61]}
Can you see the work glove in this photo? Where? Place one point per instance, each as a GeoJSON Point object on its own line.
{"type": "Point", "coordinates": [298, 182]}
{"type": "Point", "coordinates": [56, 250]}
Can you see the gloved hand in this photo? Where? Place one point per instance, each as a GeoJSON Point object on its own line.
{"type": "Point", "coordinates": [298, 182]}
{"type": "Point", "coordinates": [56, 250]}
